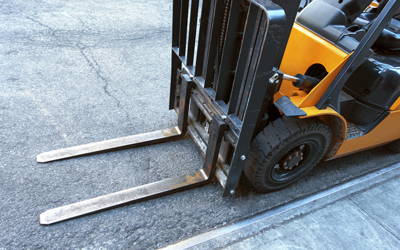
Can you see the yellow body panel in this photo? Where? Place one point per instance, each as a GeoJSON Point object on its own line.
{"type": "Point", "coordinates": [305, 49]}
{"type": "Point", "coordinates": [387, 131]}
{"type": "Point", "coordinates": [317, 92]}
{"type": "Point", "coordinates": [396, 105]}
{"type": "Point", "coordinates": [374, 4]}
{"type": "Point", "coordinates": [314, 112]}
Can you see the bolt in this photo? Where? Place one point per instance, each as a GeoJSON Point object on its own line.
{"type": "Point", "coordinates": [351, 69]}
{"type": "Point", "coordinates": [232, 192]}
{"type": "Point", "coordinates": [223, 117]}
{"type": "Point", "coordinates": [274, 79]}
{"type": "Point", "coordinates": [243, 157]}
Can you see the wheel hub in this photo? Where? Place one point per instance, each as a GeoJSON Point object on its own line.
{"type": "Point", "coordinates": [293, 159]}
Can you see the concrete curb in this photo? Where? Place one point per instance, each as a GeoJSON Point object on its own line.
{"type": "Point", "coordinates": [245, 228]}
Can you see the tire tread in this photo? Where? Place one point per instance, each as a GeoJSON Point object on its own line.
{"type": "Point", "coordinates": [273, 138]}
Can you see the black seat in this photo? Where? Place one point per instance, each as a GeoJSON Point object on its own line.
{"type": "Point", "coordinates": [375, 85]}
{"type": "Point", "coordinates": [390, 37]}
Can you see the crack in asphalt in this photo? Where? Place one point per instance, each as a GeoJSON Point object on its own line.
{"type": "Point", "coordinates": [84, 25]}
{"type": "Point", "coordinates": [61, 36]}
{"type": "Point", "coordinates": [42, 24]}
{"type": "Point", "coordinates": [92, 62]}
{"type": "Point", "coordinates": [97, 69]}
{"type": "Point", "coordinates": [52, 31]}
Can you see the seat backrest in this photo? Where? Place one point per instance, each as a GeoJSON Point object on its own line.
{"type": "Point", "coordinates": [376, 82]}
{"type": "Point", "coordinates": [351, 8]}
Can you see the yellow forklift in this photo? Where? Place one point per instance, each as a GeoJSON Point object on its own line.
{"type": "Point", "coordinates": [268, 89]}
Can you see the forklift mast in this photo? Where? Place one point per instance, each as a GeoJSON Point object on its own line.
{"type": "Point", "coordinates": [235, 75]}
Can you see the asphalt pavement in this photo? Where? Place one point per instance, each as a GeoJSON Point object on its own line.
{"type": "Point", "coordinates": [75, 72]}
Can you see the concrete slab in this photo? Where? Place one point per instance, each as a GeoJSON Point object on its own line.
{"type": "Point", "coordinates": [382, 203]}
{"type": "Point", "coordinates": [342, 225]}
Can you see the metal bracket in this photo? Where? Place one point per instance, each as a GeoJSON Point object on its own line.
{"type": "Point", "coordinates": [288, 108]}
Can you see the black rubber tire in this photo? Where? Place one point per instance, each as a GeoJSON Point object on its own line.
{"type": "Point", "coordinates": [282, 138]}
{"type": "Point", "coordinates": [394, 146]}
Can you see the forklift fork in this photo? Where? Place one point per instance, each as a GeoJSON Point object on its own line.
{"type": "Point", "coordinates": [163, 187]}
{"type": "Point", "coordinates": [231, 96]}
{"type": "Point", "coordinates": [159, 136]}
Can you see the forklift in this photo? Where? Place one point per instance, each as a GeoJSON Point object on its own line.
{"type": "Point", "coordinates": [268, 89]}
